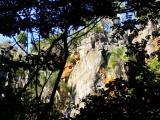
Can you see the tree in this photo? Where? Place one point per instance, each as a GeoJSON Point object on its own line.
{"type": "Point", "coordinates": [45, 17]}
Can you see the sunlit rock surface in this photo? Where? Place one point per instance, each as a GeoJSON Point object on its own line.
{"type": "Point", "coordinates": [89, 73]}
{"type": "Point", "coordinates": [84, 75]}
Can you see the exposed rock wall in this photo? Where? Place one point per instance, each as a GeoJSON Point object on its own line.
{"type": "Point", "coordinates": [84, 75]}
{"type": "Point", "coordinates": [89, 74]}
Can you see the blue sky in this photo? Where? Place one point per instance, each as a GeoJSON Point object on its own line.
{"type": "Point", "coordinates": [4, 38]}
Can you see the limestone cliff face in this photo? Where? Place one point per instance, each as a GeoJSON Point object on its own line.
{"type": "Point", "coordinates": [84, 75]}
{"type": "Point", "coordinates": [87, 75]}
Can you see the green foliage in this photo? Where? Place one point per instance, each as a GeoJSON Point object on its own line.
{"type": "Point", "coordinates": [117, 54]}
{"type": "Point", "coordinates": [70, 59]}
{"type": "Point", "coordinates": [154, 64]}
{"type": "Point", "coordinates": [53, 78]}
{"type": "Point", "coordinates": [98, 29]}
{"type": "Point", "coordinates": [48, 76]}
{"type": "Point", "coordinates": [44, 44]}
{"type": "Point", "coordinates": [64, 86]}
{"type": "Point", "coordinates": [22, 39]}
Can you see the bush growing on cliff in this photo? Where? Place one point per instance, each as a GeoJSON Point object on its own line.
{"type": "Point", "coordinates": [154, 64]}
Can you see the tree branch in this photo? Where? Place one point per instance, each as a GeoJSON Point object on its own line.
{"type": "Point", "coordinates": [50, 104]}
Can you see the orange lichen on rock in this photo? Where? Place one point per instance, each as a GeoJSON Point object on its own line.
{"type": "Point", "coordinates": [67, 70]}
{"type": "Point", "coordinates": [69, 66]}
{"type": "Point", "coordinates": [107, 77]}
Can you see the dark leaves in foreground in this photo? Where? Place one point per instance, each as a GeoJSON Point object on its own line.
{"type": "Point", "coordinates": [136, 98]}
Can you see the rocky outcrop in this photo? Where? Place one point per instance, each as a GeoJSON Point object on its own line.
{"type": "Point", "coordinates": [88, 74]}
{"type": "Point", "coordinates": [84, 75]}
